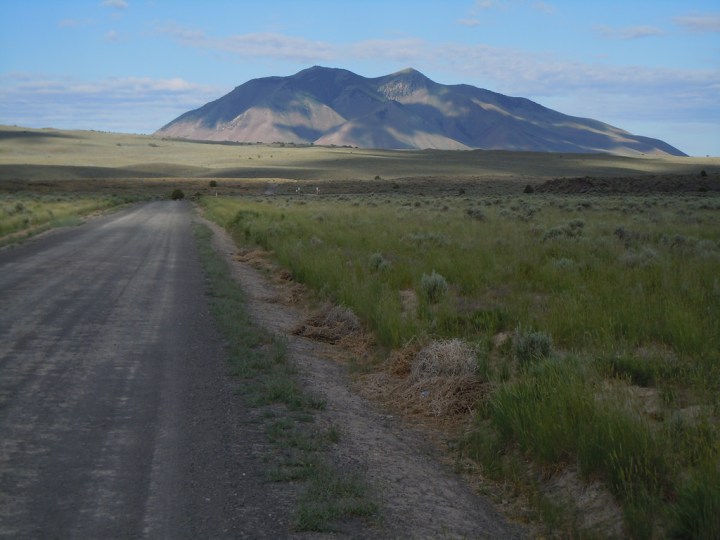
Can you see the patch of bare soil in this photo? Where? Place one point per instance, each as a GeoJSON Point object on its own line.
{"type": "Point", "coordinates": [419, 496]}
{"type": "Point", "coordinates": [667, 183]}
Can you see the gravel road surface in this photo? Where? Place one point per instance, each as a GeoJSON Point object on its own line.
{"type": "Point", "coordinates": [117, 418]}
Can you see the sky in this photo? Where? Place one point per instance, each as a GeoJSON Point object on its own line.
{"type": "Point", "coordinates": [651, 67]}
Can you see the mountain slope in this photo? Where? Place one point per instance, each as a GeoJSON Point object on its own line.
{"type": "Point", "coordinates": [402, 110]}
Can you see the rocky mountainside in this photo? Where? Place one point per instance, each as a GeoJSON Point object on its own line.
{"type": "Point", "coordinates": [403, 110]}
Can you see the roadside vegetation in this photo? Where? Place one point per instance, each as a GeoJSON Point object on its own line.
{"type": "Point", "coordinates": [29, 213]}
{"type": "Point", "coordinates": [268, 384]}
{"type": "Point", "coordinates": [592, 321]}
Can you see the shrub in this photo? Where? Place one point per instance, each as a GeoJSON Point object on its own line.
{"type": "Point", "coordinates": [571, 229]}
{"type": "Point", "coordinates": [635, 259]}
{"type": "Point", "coordinates": [531, 346]}
{"type": "Point", "coordinates": [433, 286]}
{"type": "Point", "coordinates": [475, 213]}
{"type": "Point", "coordinates": [378, 263]}
{"type": "Point", "coordinates": [528, 189]}
{"type": "Point", "coordinates": [213, 183]}
{"type": "Point", "coordinates": [177, 195]}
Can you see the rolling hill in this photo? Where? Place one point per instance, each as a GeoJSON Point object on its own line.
{"type": "Point", "coordinates": [404, 110]}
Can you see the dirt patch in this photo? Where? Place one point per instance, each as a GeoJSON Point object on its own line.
{"type": "Point", "coordinates": [595, 509]}
{"type": "Point", "coordinates": [420, 497]}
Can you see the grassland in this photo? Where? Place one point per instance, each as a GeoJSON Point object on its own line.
{"type": "Point", "coordinates": [593, 318]}
{"type": "Point", "coordinates": [606, 310]}
{"type": "Point", "coordinates": [106, 159]}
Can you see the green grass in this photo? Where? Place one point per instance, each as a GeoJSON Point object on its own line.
{"type": "Point", "coordinates": [584, 290]}
{"type": "Point", "coordinates": [611, 294]}
{"type": "Point", "coordinates": [21, 212]}
{"type": "Point", "coordinates": [268, 380]}
{"type": "Point", "coordinates": [330, 497]}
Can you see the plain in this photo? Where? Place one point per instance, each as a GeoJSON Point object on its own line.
{"type": "Point", "coordinates": [584, 324]}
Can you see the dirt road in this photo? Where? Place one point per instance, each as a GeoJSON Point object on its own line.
{"type": "Point", "coordinates": [117, 419]}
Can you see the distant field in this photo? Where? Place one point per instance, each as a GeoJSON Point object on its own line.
{"type": "Point", "coordinates": [54, 156]}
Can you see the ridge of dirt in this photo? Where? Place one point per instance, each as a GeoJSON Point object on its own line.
{"type": "Point", "coordinates": [419, 496]}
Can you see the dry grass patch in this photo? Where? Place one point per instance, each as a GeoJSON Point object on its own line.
{"type": "Point", "coordinates": [450, 358]}
{"type": "Point", "coordinates": [336, 325]}
{"type": "Point", "coordinates": [438, 381]}
{"type": "Point", "coordinates": [257, 258]}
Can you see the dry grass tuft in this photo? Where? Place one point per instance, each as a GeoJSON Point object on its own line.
{"type": "Point", "coordinates": [437, 381]}
{"type": "Point", "coordinates": [290, 294]}
{"type": "Point", "coordinates": [449, 358]}
{"type": "Point", "coordinates": [400, 360]}
{"type": "Point", "coordinates": [258, 258]}
{"type": "Point", "coordinates": [438, 396]}
{"type": "Point", "coordinates": [330, 324]}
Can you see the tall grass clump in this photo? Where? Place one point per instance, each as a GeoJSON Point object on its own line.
{"type": "Point", "coordinates": [557, 414]}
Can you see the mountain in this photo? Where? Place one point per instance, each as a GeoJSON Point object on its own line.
{"type": "Point", "coordinates": [403, 110]}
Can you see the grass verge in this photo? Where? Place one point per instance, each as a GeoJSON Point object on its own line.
{"type": "Point", "coordinates": [268, 383]}
{"type": "Point", "coordinates": [25, 214]}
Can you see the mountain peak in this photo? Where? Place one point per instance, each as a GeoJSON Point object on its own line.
{"type": "Point", "coordinates": [409, 71]}
{"type": "Point", "coordinates": [405, 109]}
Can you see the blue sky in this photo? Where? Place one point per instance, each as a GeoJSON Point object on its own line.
{"type": "Point", "coordinates": [651, 67]}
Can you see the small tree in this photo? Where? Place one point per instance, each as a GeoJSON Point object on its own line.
{"type": "Point", "coordinates": [177, 195]}
{"type": "Point", "coordinates": [213, 183]}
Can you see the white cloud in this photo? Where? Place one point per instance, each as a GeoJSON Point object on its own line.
{"type": "Point", "coordinates": [112, 35]}
{"type": "Point", "coordinates": [117, 4]}
{"type": "Point", "coordinates": [709, 22]}
{"type": "Point", "coordinates": [486, 4]}
{"type": "Point", "coordinates": [137, 104]}
{"type": "Point", "coordinates": [544, 7]}
{"type": "Point", "coordinates": [630, 32]}
{"type": "Point", "coordinates": [474, 16]}
{"type": "Point", "coordinates": [75, 23]}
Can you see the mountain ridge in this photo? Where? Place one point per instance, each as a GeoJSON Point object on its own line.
{"type": "Point", "coordinates": [402, 110]}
